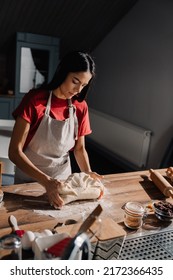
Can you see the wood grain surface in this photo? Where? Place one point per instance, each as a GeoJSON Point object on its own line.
{"type": "Point", "coordinates": [21, 200]}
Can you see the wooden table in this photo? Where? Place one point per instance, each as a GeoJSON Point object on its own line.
{"type": "Point", "coordinates": [21, 200]}
{"type": "Point", "coordinates": [24, 200]}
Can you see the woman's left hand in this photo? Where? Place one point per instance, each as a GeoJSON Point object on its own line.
{"type": "Point", "coordinates": [95, 175]}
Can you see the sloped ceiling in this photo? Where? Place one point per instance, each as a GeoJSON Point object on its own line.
{"type": "Point", "coordinates": [80, 24]}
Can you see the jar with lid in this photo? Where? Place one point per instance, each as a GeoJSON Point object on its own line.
{"type": "Point", "coordinates": [133, 214]}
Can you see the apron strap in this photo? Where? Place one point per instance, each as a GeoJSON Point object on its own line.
{"type": "Point", "coordinates": [47, 111]}
{"type": "Point", "coordinates": [72, 114]}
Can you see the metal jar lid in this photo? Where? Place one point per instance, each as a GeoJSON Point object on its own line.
{"type": "Point", "coordinates": [134, 208]}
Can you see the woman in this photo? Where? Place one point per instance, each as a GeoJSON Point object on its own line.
{"type": "Point", "coordinates": [50, 121]}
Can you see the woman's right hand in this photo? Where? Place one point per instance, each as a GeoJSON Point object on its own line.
{"type": "Point", "coordinates": [52, 193]}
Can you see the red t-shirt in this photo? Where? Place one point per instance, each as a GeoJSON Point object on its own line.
{"type": "Point", "coordinates": [32, 109]}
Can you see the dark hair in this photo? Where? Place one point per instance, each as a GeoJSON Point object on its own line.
{"type": "Point", "coordinates": [73, 62]}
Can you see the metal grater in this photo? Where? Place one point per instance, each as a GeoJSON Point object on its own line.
{"type": "Point", "coordinates": [150, 247]}
{"type": "Point", "coordinates": [157, 246]}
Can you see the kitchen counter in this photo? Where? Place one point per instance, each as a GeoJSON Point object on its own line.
{"type": "Point", "coordinates": [27, 202]}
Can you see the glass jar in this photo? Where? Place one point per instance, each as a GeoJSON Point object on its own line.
{"type": "Point", "coordinates": [133, 214]}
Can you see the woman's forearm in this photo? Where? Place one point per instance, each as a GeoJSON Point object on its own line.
{"type": "Point", "coordinates": [23, 163]}
{"type": "Point", "coordinates": [17, 155]}
{"type": "Point", "coordinates": [82, 159]}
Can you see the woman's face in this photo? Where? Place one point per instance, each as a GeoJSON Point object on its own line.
{"type": "Point", "coordinates": [73, 84]}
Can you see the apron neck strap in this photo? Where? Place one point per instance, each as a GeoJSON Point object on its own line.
{"type": "Point", "coordinates": [47, 111]}
{"type": "Point", "coordinates": [72, 112]}
{"type": "Point", "coordinates": [70, 106]}
{"type": "Point", "coordinates": [69, 103]}
{"type": "Point", "coordinates": [72, 115]}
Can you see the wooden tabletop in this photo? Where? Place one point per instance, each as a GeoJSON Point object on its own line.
{"type": "Point", "coordinates": [23, 200]}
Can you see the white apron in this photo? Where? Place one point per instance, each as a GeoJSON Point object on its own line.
{"type": "Point", "coordinates": [49, 148]}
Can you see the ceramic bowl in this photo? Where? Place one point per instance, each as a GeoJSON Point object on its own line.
{"type": "Point", "coordinates": [163, 211]}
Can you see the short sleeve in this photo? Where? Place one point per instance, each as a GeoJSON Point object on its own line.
{"type": "Point", "coordinates": [84, 127]}
{"type": "Point", "coordinates": [26, 108]}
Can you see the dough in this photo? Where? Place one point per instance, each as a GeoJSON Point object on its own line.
{"type": "Point", "coordinates": [80, 186]}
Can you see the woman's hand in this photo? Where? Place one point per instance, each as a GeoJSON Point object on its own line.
{"type": "Point", "coordinates": [95, 175]}
{"type": "Point", "coordinates": [52, 193]}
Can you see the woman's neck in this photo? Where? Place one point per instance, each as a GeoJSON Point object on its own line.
{"type": "Point", "coordinates": [57, 92]}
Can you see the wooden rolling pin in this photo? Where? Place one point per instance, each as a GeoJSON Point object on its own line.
{"type": "Point", "coordinates": [169, 173]}
{"type": "Point", "coordinates": [161, 183]}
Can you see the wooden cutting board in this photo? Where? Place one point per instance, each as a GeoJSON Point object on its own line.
{"type": "Point", "coordinates": [109, 229]}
